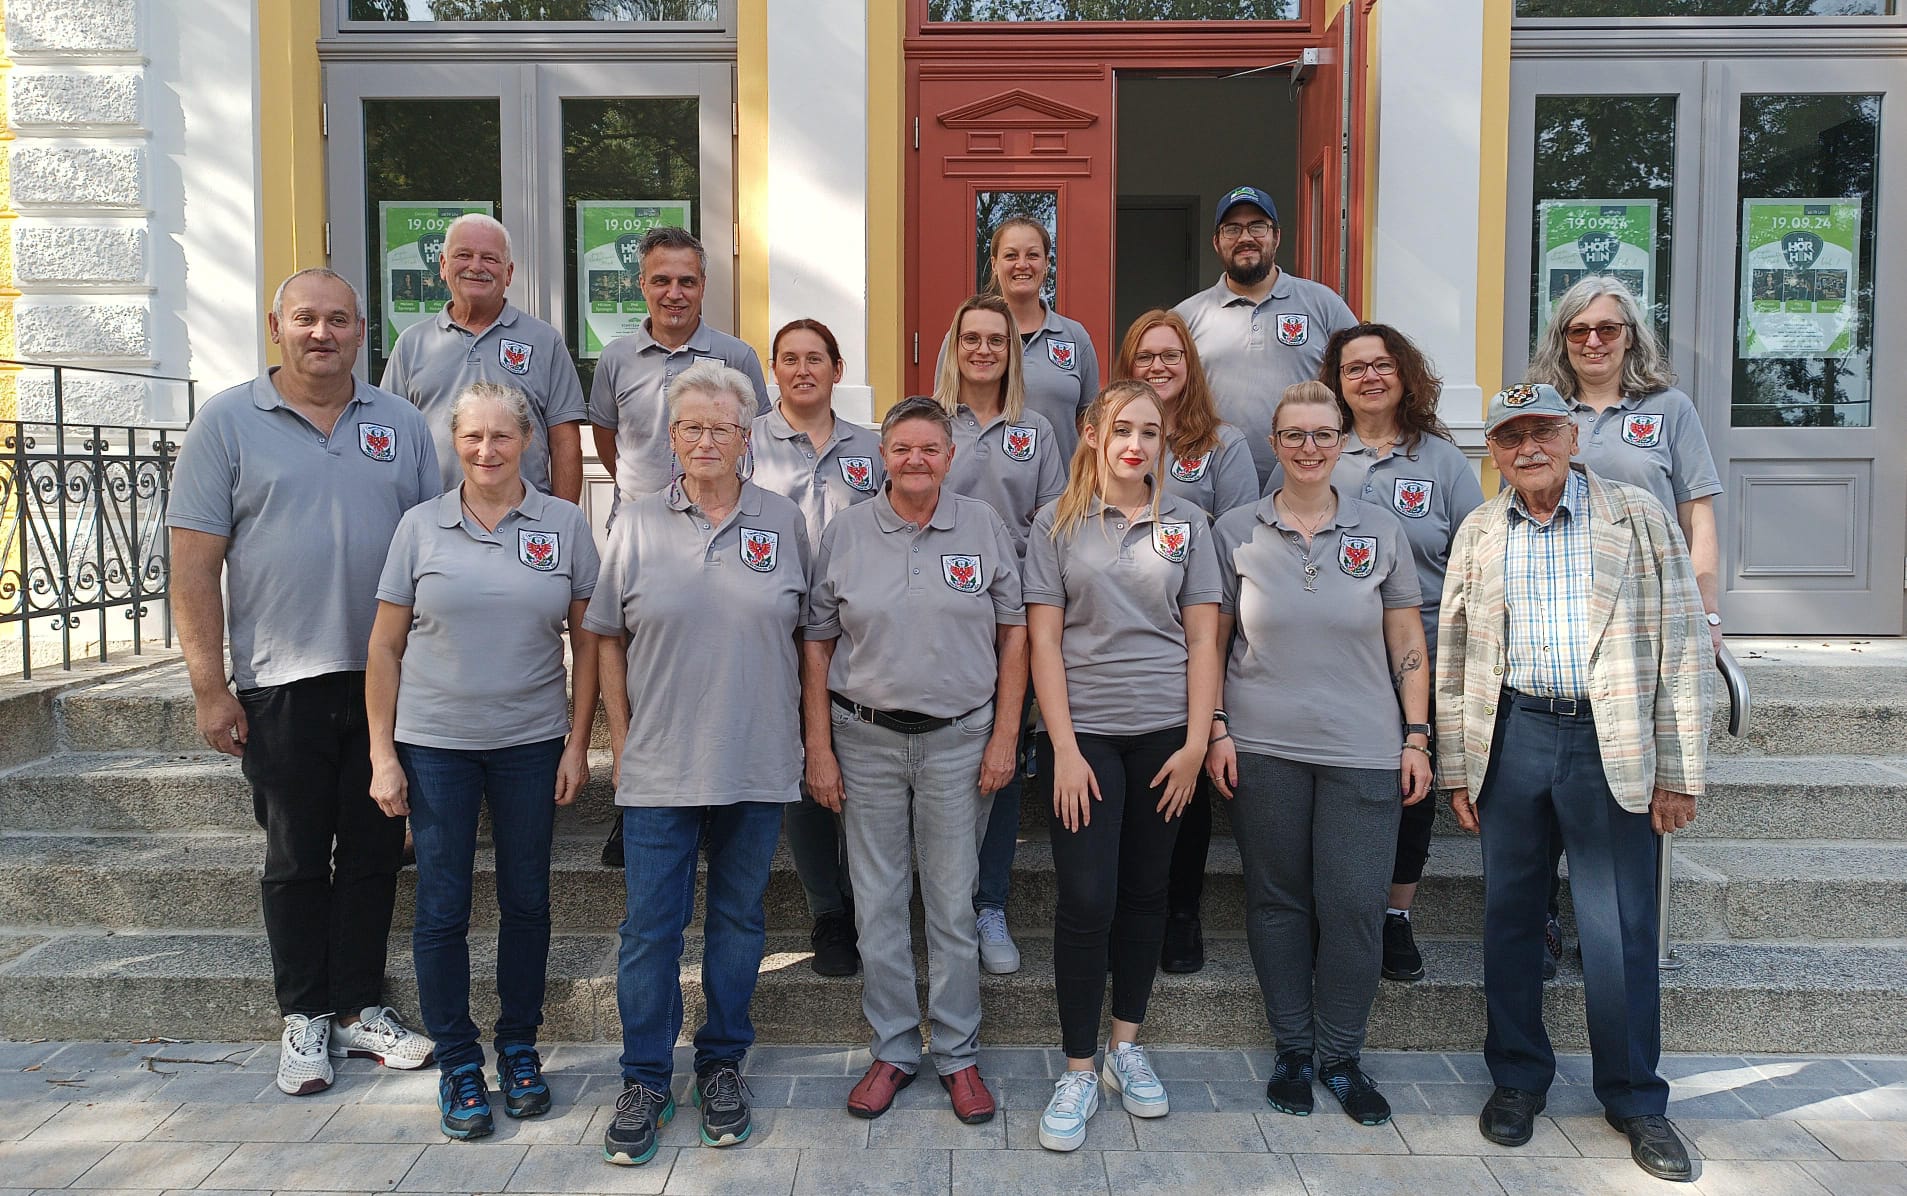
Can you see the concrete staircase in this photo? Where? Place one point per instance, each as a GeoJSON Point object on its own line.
{"type": "Point", "coordinates": [129, 900]}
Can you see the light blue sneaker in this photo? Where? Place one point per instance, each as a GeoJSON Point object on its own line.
{"type": "Point", "coordinates": [1075, 1100]}
{"type": "Point", "coordinates": [1130, 1074]}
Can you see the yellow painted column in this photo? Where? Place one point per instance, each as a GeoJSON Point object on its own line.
{"type": "Point", "coordinates": [751, 172]}
{"type": "Point", "coordinates": [1493, 206]}
{"type": "Point", "coordinates": [9, 374]}
{"type": "Point", "coordinates": [290, 142]}
{"type": "Point", "coordinates": [886, 201]}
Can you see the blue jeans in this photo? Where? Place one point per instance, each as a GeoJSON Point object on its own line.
{"type": "Point", "coordinates": [659, 849]}
{"type": "Point", "coordinates": [447, 792]}
{"type": "Point", "coordinates": [1000, 840]}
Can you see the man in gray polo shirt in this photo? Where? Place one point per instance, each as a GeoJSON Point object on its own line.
{"type": "Point", "coordinates": [291, 486]}
{"type": "Point", "coordinates": [1258, 329]}
{"type": "Point", "coordinates": [482, 337]}
{"type": "Point", "coordinates": [627, 414]}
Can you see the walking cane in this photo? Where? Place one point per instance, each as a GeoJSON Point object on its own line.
{"type": "Point", "coordinates": [1738, 704]}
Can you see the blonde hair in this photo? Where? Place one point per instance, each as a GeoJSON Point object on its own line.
{"type": "Point", "coordinates": [1012, 384]}
{"type": "Point", "coordinates": [1087, 480]}
{"type": "Point", "coordinates": [1311, 393]}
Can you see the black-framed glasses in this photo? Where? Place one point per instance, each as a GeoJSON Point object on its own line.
{"type": "Point", "coordinates": [1545, 432]}
{"type": "Point", "coordinates": [1324, 438]}
{"type": "Point", "coordinates": [1606, 333]}
{"type": "Point", "coordinates": [692, 433]}
{"type": "Point", "coordinates": [1145, 357]}
{"type": "Point", "coordinates": [1383, 367]}
{"type": "Point", "coordinates": [1259, 230]}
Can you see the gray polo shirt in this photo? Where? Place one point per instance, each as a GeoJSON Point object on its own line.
{"type": "Point", "coordinates": [1123, 586]}
{"type": "Point", "coordinates": [1251, 352]}
{"type": "Point", "coordinates": [711, 611]}
{"type": "Point", "coordinates": [309, 518]}
{"type": "Point", "coordinates": [1061, 371]}
{"type": "Point", "coordinates": [914, 610]}
{"type": "Point", "coordinates": [483, 667]}
{"type": "Point", "coordinates": [433, 361]}
{"type": "Point", "coordinates": [1014, 466]}
{"type": "Point", "coordinates": [1309, 678]}
{"type": "Point", "coordinates": [822, 481]}
{"type": "Point", "coordinates": [1655, 442]}
{"type": "Point", "coordinates": [1430, 488]}
{"type": "Point", "coordinates": [1218, 479]}
{"type": "Point", "coordinates": [630, 395]}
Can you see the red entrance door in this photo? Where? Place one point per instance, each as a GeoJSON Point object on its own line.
{"type": "Point", "coordinates": [1001, 141]}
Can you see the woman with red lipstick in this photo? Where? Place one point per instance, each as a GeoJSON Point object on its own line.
{"type": "Point", "coordinates": [1121, 587]}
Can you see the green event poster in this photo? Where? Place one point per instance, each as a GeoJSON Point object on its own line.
{"type": "Point", "coordinates": [1580, 237]}
{"type": "Point", "coordinates": [608, 268]}
{"type": "Point", "coordinates": [1800, 273]}
{"type": "Point", "coordinates": [410, 243]}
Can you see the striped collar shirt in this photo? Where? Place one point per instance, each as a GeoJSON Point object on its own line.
{"type": "Point", "coordinates": [1546, 586]}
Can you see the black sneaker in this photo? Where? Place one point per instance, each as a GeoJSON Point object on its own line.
{"type": "Point", "coordinates": [835, 953]}
{"type": "Point", "coordinates": [1552, 947]}
{"type": "Point", "coordinates": [520, 1079]}
{"type": "Point", "coordinates": [1355, 1091]}
{"type": "Point", "coordinates": [1402, 960]}
{"type": "Point", "coordinates": [633, 1133]}
{"type": "Point", "coordinates": [1184, 948]}
{"type": "Point", "coordinates": [612, 846]}
{"type": "Point", "coordinates": [464, 1103]}
{"type": "Point", "coordinates": [723, 1096]}
{"type": "Point", "coordinates": [1290, 1088]}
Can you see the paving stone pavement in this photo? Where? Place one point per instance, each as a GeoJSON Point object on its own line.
{"type": "Point", "coordinates": [159, 1118]}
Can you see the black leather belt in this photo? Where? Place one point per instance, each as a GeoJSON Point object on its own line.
{"type": "Point", "coordinates": [1562, 707]}
{"type": "Point", "coordinates": [907, 722]}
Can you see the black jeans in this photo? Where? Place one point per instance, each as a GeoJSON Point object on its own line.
{"type": "Point", "coordinates": [1111, 875]}
{"type": "Point", "coordinates": [331, 856]}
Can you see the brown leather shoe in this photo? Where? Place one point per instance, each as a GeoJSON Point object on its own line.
{"type": "Point", "coordinates": [972, 1103]}
{"type": "Point", "coordinates": [875, 1093]}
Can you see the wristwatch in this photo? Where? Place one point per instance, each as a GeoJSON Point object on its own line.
{"type": "Point", "coordinates": [1714, 620]}
{"type": "Point", "coordinates": [1419, 729]}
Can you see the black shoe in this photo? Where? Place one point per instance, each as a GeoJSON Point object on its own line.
{"type": "Point", "coordinates": [1552, 947]}
{"type": "Point", "coordinates": [1654, 1145]}
{"type": "Point", "coordinates": [1402, 960]}
{"type": "Point", "coordinates": [1362, 1102]}
{"type": "Point", "coordinates": [612, 846]}
{"type": "Point", "coordinates": [834, 951]}
{"type": "Point", "coordinates": [1509, 1116]}
{"type": "Point", "coordinates": [1290, 1088]}
{"type": "Point", "coordinates": [723, 1096]}
{"type": "Point", "coordinates": [520, 1080]}
{"type": "Point", "coordinates": [635, 1130]}
{"type": "Point", "coordinates": [1184, 947]}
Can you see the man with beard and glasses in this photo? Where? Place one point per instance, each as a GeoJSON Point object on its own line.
{"type": "Point", "coordinates": [482, 337]}
{"type": "Point", "coordinates": [1258, 329]}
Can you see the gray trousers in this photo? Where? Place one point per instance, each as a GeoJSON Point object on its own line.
{"type": "Point", "coordinates": [1317, 844]}
{"type": "Point", "coordinates": [933, 782]}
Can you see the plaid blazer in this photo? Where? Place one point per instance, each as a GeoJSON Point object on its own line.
{"type": "Point", "coordinates": [1649, 648]}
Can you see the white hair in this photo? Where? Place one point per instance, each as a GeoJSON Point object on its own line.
{"type": "Point", "coordinates": [479, 220]}
{"type": "Point", "coordinates": [278, 296]}
{"type": "Point", "coordinates": [714, 378]}
{"type": "Point", "coordinates": [514, 402]}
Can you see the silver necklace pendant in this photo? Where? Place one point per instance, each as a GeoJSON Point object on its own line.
{"type": "Point", "coordinates": [1310, 578]}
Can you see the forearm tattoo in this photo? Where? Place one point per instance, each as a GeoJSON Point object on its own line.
{"type": "Point", "coordinates": [1413, 660]}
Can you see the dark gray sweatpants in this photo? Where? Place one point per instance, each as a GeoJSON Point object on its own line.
{"type": "Point", "coordinates": [1316, 843]}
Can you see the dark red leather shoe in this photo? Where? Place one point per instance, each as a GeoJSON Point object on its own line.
{"type": "Point", "coordinates": [875, 1093]}
{"type": "Point", "coordinates": [972, 1103]}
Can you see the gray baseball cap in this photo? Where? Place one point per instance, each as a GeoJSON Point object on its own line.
{"type": "Point", "coordinates": [1525, 398]}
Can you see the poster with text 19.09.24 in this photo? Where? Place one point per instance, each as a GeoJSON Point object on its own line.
{"type": "Point", "coordinates": [410, 244]}
{"type": "Point", "coordinates": [1800, 276]}
{"type": "Point", "coordinates": [1581, 237]}
{"type": "Point", "coordinates": [608, 268]}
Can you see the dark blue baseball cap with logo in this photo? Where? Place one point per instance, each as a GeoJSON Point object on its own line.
{"type": "Point", "coordinates": [1237, 195]}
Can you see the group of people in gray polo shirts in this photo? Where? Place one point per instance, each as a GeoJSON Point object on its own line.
{"type": "Point", "coordinates": [801, 621]}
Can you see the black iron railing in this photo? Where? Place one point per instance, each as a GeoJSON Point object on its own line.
{"type": "Point", "coordinates": [83, 538]}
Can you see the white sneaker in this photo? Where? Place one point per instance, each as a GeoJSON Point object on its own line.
{"type": "Point", "coordinates": [1075, 1100]}
{"type": "Point", "coordinates": [377, 1034]}
{"type": "Point", "coordinates": [1130, 1074]}
{"type": "Point", "coordinates": [998, 954]}
{"type": "Point", "coordinates": [304, 1067]}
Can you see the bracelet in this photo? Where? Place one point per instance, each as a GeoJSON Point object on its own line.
{"type": "Point", "coordinates": [1416, 748]}
{"type": "Point", "coordinates": [1219, 716]}
{"type": "Point", "coordinates": [1221, 738]}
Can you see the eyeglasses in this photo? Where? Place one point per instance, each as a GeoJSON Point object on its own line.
{"type": "Point", "coordinates": [1259, 230]}
{"type": "Point", "coordinates": [1144, 358]}
{"type": "Point", "coordinates": [1383, 368]}
{"type": "Point", "coordinates": [1543, 433]}
{"type": "Point", "coordinates": [691, 433]}
{"type": "Point", "coordinates": [1606, 333]}
{"type": "Point", "coordinates": [1292, 438]}
{"type": "Point", "coordinates": [973, 340]}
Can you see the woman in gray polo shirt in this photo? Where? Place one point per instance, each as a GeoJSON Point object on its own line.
{"type": "Point", "coordinates": [1122, 595]}
{"type": "Point", "coordinates": [465, 697]}
{"type": "Point", "coordinates": [1316, 745]}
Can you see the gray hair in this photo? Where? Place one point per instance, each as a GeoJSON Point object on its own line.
{"type": "Point", "coordinates": [514, 402]}
{"type": "Point", "coordinates": [1645, 367]}
{"type": "Point", "coordinates": [920, 407]}
{"type": "Point", "coordinates": [479, 220]}
{"type": "Point", "coordinates": [714, 378]}
{"type": "Point", "coordinates": [668, 236]}
{"type": "Point", "coordinates": [278, 296]}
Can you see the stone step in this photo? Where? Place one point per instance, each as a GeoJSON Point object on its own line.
{"type": "Point", "coordinates": [1804, 710]}
{"type": "Point", "coordinates": [1726, 999]}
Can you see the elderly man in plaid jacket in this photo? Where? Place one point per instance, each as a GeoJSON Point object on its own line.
{"type": "Point", "coordinates": [1572, 692]}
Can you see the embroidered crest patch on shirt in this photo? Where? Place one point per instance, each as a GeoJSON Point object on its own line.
{"type": "Point", "coordinates": [539, 550]}
{"type": "Point", "coordinates": [378, 442]}
{"type": "Point", "coordinates": [1357, 555]}
{"type": "Point", "coordinates": [759, 549]}
{"type": "Point", "coordinates": [961, 573]}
